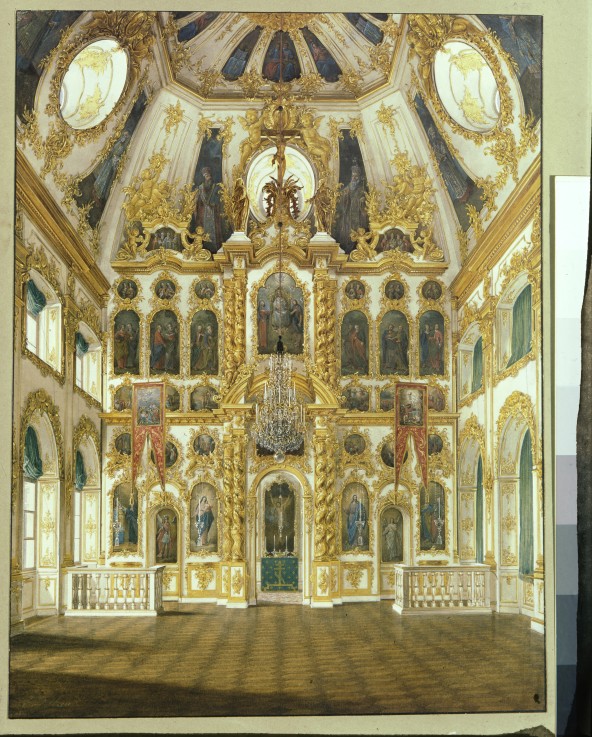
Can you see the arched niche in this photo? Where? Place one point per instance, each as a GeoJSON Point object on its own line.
{"type": "Point", "coordinates": [84, 526]}
{"type": "Point", "coordinates": [263, 522]}
{"type": "Point", "coordinates": [166, 539]}
{"type": "Point", "coordinates": [38, 510]}
{"type": "Point", "coordinates": [390, 505]}
{"type": "Point", "coordinates": [473, 479]}
{"type": "Point", "coordinates": [519, 502]}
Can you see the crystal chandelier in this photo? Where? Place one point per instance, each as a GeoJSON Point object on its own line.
{"type": "Point", "coordinates": [279, 419]}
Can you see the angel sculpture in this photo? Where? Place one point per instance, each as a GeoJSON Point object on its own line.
{"type": "Point", "coordinates": [318, 146]}
{"type": "Point", "coordinates": [252, 123]}
{"type": "Point", "coordinates": [240, 205]}
{"type": "Point", "coordinates": [324, 207]}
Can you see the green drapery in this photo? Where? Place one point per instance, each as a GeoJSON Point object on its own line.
{"type": "Point", "coordinates": [36, 300]}
{"type": "Point", "coordinates": [81, 345]}
{"type": "Point", "coordinates": [479, 513]}
{"type": "Point", "coordinates": [521, 325]}
{"type": "Point", "coordinates": [32, 464]}
{"type": "Point", "coordinates": [526, 553]}
{"type": "Point", "coordinates": [80, 480]}
{"type": "Point", "coordinates": [477, 366]}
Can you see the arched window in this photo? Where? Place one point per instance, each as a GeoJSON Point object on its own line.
{"type": "Point", "coordinates": [43, 322]}
{"type": "Point", "coordinates": [477, 381]}
{"type": "Point", "coordinates": [32, 470]}
{"type": "Point", "coordinates": [514, 323]}
{"type": "Point", "coordinates": [470, 362]}
{"type": "Point", "coordinates": [521, 325]}
{"type": "Point", "coordinates": [526, 540]}
{"type": "Point", "coordinates": [88, 362]}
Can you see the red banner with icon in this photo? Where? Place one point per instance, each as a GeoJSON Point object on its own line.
{"type": "Point", "coordinates": [411, 421]}
{"type": "Point", "coordinates": [148, 415]}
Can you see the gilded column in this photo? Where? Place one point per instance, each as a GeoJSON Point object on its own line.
{"type": "Point", "coordinates": [321, 492]}
{"type": "Point", "coordinates": [71, 320]}
{"type": "Point", "coordinates": [487, 319]}
{"type": "Point", "coordinates": [239, 439]}
{"type": "Point", "coordinates": [325, 291]}
{"type": "Point", "coordinates": [227, 493]}
{"type": "Point", "coordinates": [235, 307]}
{"type": "Point", "coordinates": [325, 573]}
{"type": "Point", "coordinates": [453, 384]}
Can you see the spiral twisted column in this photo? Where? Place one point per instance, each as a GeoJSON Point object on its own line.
{"type": "Point", "coordinates": [235, 309]}
{"type": "Point", "coordinates": [325, 567]}
{"type": "Point", "coordinates": [227, 493]}
{"type": "Point", "coordinates": [239, 440]}
{"type": "Point", "coordinates": [325, 292]}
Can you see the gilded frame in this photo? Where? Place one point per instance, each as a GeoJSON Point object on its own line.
{"type": "Point", "coordinates": [208, 307]}
{"type": "Point", "coordinates": [148, 318]}
{"type": "Point", "coordinates": [306, 297]}
{"type": "Point", "coordinates": [110, 358]}
{"type": "Point", "coordinates": [370, 347]}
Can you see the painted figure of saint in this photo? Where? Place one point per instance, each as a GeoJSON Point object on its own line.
{"type": "Point", "coordinates": [207, 209]}
{"type": "Point", "coordinates": [263, 313]}
{"type": "Point", "coordinates": [131, 516]}
{"type": "Point", "coordinates": [356, 521]}
{"type": "Point", "coordinates": [121, 347]}
{"type": "Point", "coordinates": [280, 313]}
{"type": "Point", "coordinates": [165, 539]}
{"type": "Point", "coordinates": [394, 350]}
{"type": "Point", "coordinates": [105, 172]}
{"type": "Point", "coordinates": [392, 549]}
{"type": "Point", "coordinates": [355, 350]}
{"type": "Point", "coordinates": [204, 517]}
{"type": "Point", "coordinates": [436, 351]}
{"type": "Point", "coordinates": [351, 209]}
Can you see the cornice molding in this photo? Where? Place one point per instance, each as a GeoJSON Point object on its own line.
{"type": "Point", "coordinates": [45, 213]}
{"type": "Point", "coordinates": [514, 215]}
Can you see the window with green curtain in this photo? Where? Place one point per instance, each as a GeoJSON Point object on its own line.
{"type": "Point", "coordinates": [477, 366]}
{"type": "Point", "coordinates": [32, 464]}
{"type": "Point", "coordinates": [521, 325]}
{"type": "Point", "coordinates": [479, 513]}
{"type": "Point", "coordinates": [526, 552]}
{"type": "Point", "coordinates": [81, 345]}
{"type": "Point", "coordinates": [80, 480]}
{"type": "Point", "coordinates": [36, 300]}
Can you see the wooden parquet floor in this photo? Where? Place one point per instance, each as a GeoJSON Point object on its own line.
{"type": "Point", "coordinates": [276, 660]}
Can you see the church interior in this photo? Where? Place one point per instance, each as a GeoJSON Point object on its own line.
{"type": "Point", "coordinates": [277, 364]}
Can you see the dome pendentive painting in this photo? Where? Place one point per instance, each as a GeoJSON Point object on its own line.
{"type": "Point", "coordinates": [279, 227]}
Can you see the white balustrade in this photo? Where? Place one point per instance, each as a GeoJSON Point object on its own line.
{"type": "Point", "coordinates": [100, 591]}
{"type": "Point", "coordinates": [450, 589]}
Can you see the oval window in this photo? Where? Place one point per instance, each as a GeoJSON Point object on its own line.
{"type": "Point", "coordinates": [263, 168]}
{"type": "Point", "coordinates": [466, 86]}
{"type": "Point", "coordinates": [93, 84]}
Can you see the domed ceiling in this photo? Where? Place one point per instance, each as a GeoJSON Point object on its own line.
{"type": "Point", "coordinates": [334, 56]}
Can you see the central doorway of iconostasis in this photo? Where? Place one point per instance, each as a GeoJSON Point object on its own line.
{"type": "Point", "coordinates": [280, 542]}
